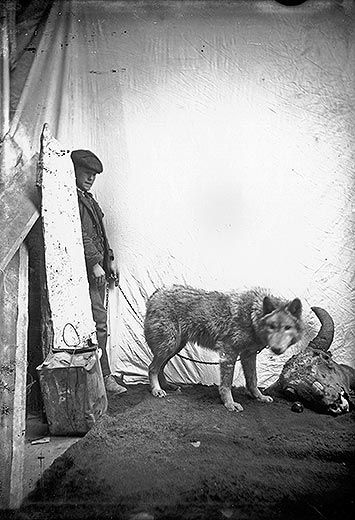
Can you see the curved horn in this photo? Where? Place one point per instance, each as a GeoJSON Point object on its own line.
{"type": "Point", "coordinates": [325, 336]}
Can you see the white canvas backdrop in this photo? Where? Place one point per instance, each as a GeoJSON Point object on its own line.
{"type": "Point", "coordinates": [226, 136]}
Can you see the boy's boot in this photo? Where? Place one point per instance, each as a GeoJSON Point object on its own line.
{"type": "Point", "coordinates": [112, 386]}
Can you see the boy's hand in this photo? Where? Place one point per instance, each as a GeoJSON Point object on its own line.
{"type": "Point", "coordinates": [98, 274]}
{"type": "Point", "coordinates": [114, 273]}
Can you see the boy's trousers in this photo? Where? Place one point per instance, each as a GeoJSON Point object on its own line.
{"type": "Point", "coordinates": [98, 297]}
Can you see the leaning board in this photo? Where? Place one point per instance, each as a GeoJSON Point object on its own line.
{"type": "Point", "coordinates": [68, 289]}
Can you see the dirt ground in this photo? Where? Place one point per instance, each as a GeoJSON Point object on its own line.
{"type": "Point", "coordinates": [186, 457]}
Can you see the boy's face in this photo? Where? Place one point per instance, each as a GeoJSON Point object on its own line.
{"type": "Point", "coordinates": [84, 178]}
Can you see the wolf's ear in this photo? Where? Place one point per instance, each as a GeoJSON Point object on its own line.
{"type": "Point", "coordinates": [268, 306]}
{"type": "Point", "coordinates": [295, 307]}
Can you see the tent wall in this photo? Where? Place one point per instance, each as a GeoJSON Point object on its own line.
{"type": "Point", "coordinates": [226, 134]}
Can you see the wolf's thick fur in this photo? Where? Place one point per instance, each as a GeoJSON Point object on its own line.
{"type": "Point", "coordinates": [234, 324]}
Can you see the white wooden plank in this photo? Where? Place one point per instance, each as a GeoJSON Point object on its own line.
{"type": "Point", "coordinates": [68, 288]}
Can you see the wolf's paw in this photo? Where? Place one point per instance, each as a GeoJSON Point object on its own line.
{"type": "Point", "coordinates": [234, 407]}
{"type": "Point", "coordinates": [172, 387]}
{"type": "Point", "coordinates": [265, 399]}
{"type": "Point", "coordinates": [158, 392]}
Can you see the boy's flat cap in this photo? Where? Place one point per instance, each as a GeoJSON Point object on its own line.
{"type": "Point", "coordinates": [86, 159]}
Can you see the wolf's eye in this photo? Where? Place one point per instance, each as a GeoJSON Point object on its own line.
{"type": "Point", "coordinates": [272, 326]}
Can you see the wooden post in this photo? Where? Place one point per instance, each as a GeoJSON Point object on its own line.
{"type": "Point", "coordinates": [5, 93]}
{"type": "Point", "coordinates": [11, 27]}
{"type": "Point", "coordinates": [5, 72]}
{"type": "Point", "coordinates": [13, 350]}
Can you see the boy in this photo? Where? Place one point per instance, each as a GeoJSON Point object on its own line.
{"type": "Point", "coordinates": [98, 255]}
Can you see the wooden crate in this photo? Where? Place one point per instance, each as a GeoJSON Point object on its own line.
{"type": "Point", "coordinates": [73, 391]}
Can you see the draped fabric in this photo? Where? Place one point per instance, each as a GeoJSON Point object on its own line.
{"type": "Point", "coordinates": [226, 134]}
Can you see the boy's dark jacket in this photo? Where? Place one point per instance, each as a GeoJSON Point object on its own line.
{"type": "Point", "coordinates": [96, 246]}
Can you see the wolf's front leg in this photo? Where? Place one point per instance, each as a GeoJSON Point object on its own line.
{"type": "Point", "coordinates": [248, 360]}
{"type": "Point", "coordinates": [227, 363]}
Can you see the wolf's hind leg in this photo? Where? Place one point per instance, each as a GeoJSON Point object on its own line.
{"type": "Point", "coordinates": [166, 350]}
{"type": "Point", "coordinates": [164, 384]}
{"type": "Point", "coordinates": [156, 374]}
{"type": "Point", "coordinates": [226, 364]}
{"type": "Point", "coordinates": [248, 360]}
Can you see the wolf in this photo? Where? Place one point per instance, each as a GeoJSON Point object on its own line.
{"type": "Point", "coordinates": [238, 325]}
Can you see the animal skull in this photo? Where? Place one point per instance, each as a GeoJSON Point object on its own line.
{"type": "Point", "coordinates": [313, 377]}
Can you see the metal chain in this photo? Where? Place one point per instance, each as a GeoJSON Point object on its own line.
{"type": "Point", "coordinates": [106, 296]}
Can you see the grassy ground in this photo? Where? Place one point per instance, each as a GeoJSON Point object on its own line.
{"type": "Point", "coordinates": [186, 457]}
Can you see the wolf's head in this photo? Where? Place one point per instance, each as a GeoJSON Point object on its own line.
{"type": "Point", "coordinates": [281, 324]}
